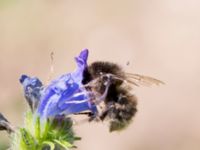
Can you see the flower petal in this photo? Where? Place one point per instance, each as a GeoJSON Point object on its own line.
{"type": "Point", "coordinates": [32, 90]}
{"type": "Point", "coordinates": [54, 94]}
{"type": "Point", "coordinates": [64, 95]}
{"type": "Point", "coordinates": [81, 62]}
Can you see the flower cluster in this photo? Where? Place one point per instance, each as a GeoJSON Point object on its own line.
{"type": "Point", "coordinates": [47, 125]}
{"type": "Point", "coordinates": [64, 95]}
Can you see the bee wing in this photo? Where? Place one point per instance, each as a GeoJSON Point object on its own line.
{"type": "Point", "coordinates": [143, 80]}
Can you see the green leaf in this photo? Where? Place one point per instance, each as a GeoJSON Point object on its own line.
{"type": "Point", "coordinates": [49, 143]}
{"type": "Point", "coordinates": [47, 129]}
{"type": "Point", "coordinates": [77, 138]}
{"type": "Point", "coordinates": [27, 139]}
{"type": "Point", "coordinates": [64, 144]}
{"type": "Point", "coordinates": [29, 122]}
{"type": "Point", "coordinates": [37, 128]}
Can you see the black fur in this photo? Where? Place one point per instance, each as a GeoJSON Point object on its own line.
{"type": "Point", "coordinates": [120, 103]}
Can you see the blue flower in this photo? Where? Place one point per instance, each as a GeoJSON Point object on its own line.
{"type": "Point", "coordinates": [64, 95]}
{"type": "Point", "coordinates": [32, 90]}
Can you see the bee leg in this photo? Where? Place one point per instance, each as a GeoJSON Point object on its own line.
{"type": "Point", "coordinates": [91, 115]}
{"type": "Point", "coordinates": [94, 118]}
{"type": "Point", "coordinates": [106, 111]}
{"type": "Point", "coordinates": [85, 113]}
{"type": "Point", "coordinates": [103, 115]}
{"type": "Point", "coordinates": [102, 97]}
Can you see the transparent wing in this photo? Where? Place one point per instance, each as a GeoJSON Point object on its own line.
{"type": "Point", "coordinates": [135, 79]}
{"type": "Point", "coordinates": [143, 80]}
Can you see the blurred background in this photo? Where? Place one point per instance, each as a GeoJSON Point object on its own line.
{"type": "Point", "coordinates": [159, 38]}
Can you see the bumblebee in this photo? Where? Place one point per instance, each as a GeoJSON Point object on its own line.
{"type": "Point", "coordinates": [111, 88]}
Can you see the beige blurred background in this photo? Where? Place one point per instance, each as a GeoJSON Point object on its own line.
{"type": "Point", "coordinates": [160, 38]}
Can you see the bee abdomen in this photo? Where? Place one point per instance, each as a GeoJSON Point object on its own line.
{"type": "Point", "coordinates": [122, 112]}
